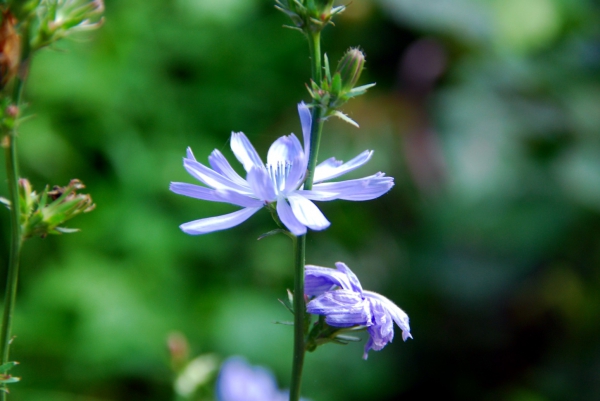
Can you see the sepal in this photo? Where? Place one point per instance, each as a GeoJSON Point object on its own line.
{"type": "Point", "coordinates": [322, 333]}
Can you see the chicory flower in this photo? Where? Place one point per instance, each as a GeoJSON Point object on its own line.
{"type": "Point", "coordinates": [239, 381]}
{"type": "Point", "coordinates": [277, 184]}
{"type": "Point", "coordinates": [341, 299]}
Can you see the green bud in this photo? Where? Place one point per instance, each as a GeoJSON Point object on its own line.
{"type": "Point", "coordinates": [42, 214]}
{"type": "Point", "coordinates": [309, 16]}
{"type": "Point", "coordinates": [349, 68]}
{"type": "Point", "coordinates": [60, 18]}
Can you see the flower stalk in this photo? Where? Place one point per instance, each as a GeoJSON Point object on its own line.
{"type": "Point", "coordinates": [9, 135]}
{"type": "Point", "coordinates": [300, 327]}
{"type": "Point", "coordinates": [22, 24]}
{"type": "Point", "coordinates": [17, 47]}
{"type": "Point", "coordinates": [299, 307]}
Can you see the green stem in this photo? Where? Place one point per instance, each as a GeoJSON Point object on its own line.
{"type": "Point", "coordinates": [15, 247]}
{"type": "Point", "coordinates": [12, 172]}
{"type": "Point", "coordinates": [314, 43]}
{"type": "Point", "coordinates": [299, 308]}
{"type": "Point", "coordinates": [314, 46]}
{"type": "Point", "coordinates": [315, 139]}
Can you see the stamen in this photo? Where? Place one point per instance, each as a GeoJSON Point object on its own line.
{"type": "Point", "coordinates": [278, 174]}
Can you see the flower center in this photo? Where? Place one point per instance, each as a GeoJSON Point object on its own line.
{"type": "Point", "coordinates": [278, 173]}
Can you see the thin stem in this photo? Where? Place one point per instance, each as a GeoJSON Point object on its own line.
{"type": "Point", "coordinates": [15, 247]}
{"type": "Point", "coordinates": [316, 129]}
{"type": "Point", "coordinates": [314, 44]}
{"type": "Point", "coordinates": [299, 307]}
{"type": "Point", "coordinates": [12, 172]}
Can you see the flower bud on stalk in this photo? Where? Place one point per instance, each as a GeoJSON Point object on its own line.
{"type": "Point", "coordinates": [59, 18]}
{"type": "Point", "coordinates": [338, 88]}
{"type": "Point", "coordinates": [42, 214]}
{"type": "Point", "coordinates": [309, 16]}
{"type": "Point", "coordinates": [349, 68]}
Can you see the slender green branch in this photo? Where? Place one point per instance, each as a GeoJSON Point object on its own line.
{"type": "Point", "coordinates": [314, 42]}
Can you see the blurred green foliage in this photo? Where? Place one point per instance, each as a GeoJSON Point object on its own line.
{"type": "Point", "coordinates": [485, 112]}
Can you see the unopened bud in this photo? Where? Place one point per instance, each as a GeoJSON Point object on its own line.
{"type": "Point", "coordinates": [66, 17]}
{"type": "Point", "coordinates": [349, 68]}
{"type": "Point", "coordinates": [12, 111]}
{"type": "Point", "coordinates": [309, 16]}
{"type": "Point", "coordinates": [43, 214]}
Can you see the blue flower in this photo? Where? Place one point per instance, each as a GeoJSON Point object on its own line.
{"type": "Point", "coordinates": [239, 381]}
{"type": "Point", "coordinates": [341, 299]}
{"type": "Point", "coordinates": [278, 181]}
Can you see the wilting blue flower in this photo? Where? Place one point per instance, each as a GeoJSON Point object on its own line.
{"type": "Point", "coordinates": [341, 299]}
{"type": "Point", "coordinates": [239, 381]}
{"type": "Point", "coordinates": [280, 180]}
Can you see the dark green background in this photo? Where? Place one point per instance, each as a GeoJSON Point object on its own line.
{"type": "Point", "coordinates": [490, 239]}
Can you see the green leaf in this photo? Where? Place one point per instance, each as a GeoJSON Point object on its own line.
{"type": "Point", "coordinates": [8, 366]}
{"type": "Point", "coordinates": [344, 117]}
{"type": "Point", "coordinates": [336, 83]}
{"type": "Point", "coordinates": [10, 379]}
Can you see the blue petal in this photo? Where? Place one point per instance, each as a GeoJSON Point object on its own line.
{"type": "Point", "coordinates": [296, 175]}
{"type": "Point", "coordinates": [236, 198]}
{"type": "Point", "coordinates": [397, 314]}
{"type": "Point", "coordinates": [341, 308]}
{"type": "Point", "coordinates": [220, 164]}
{"type": "Point", "coordinates": [361, 189]}
{"type": "Point", "coordinates": [194, 191]}
{"type": "Point", "coordinates": [244, 151]}
{"type": "Point", "coordinates": [199, 192]}
{"type": "Point", "coordinates": [210, 224]}
{"type": "Point", "coordinates": [308, 213]}
{"type": "Point", "coordinates": [321, 279]}
{"type": "Point", "coordinates": [261, 184]}
{"type": "Point", "coordinates": [189, 154]}
{"type": "Point", "coordinates": [284, 150]}
{"type": "Point", "coordinates": [316, 194]}
{"type": "Point", "coordinates": [332, 168]}
{"type": "Point", "coordinates": [212, 178]}
{"type": "Point", "coordinates": [284, 211]}
{"type": "Point", "coordinates": [305, 121]}
{"type": "Point", "coordinates": [355, 284]}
